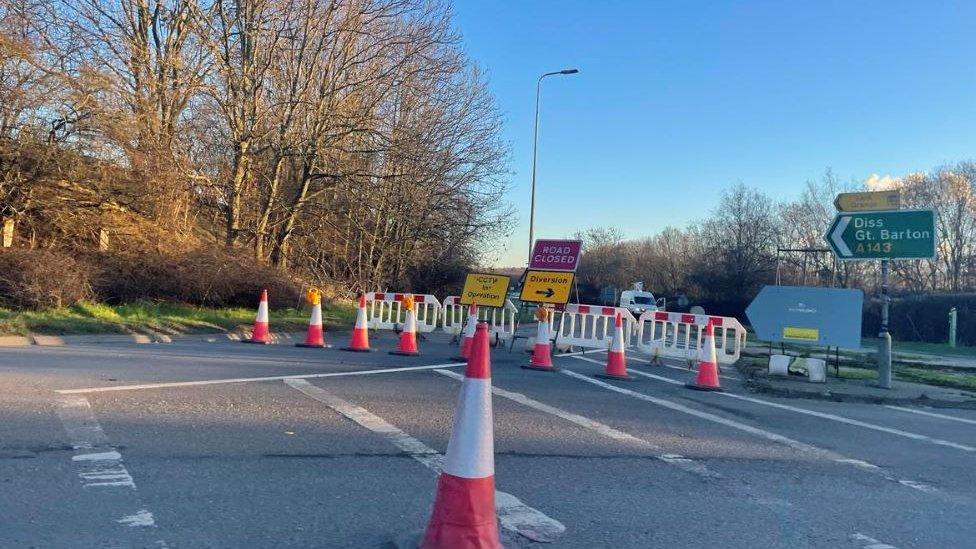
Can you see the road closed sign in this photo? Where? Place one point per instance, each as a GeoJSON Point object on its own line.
{"type": "Point", "coordinates": [555, 255]}
{"type": "Point", "coordinates": [489, 290]}
{"type": "Point", "coordinates": [547, 286]}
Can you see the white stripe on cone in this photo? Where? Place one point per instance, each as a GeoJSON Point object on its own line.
{"type": "Point", "coordinates": [316, 318]}
{"type": "Point", "coordinates": [262, 312]}
{"type": "Point", "coordinates": [471, 450]}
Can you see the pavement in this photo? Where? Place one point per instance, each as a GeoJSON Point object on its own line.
{"type": "Point", "coordinates": [220, 444]}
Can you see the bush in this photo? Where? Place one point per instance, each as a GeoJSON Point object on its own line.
{"type": "Point", "coordinates": [210, 279]}
{"type": "Point", "coordinates": [42, 279]}
{"type": "Point", "coordinates": [924, 318]}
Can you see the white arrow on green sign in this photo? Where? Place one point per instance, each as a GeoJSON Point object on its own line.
{"type": "Point", "coordinates": [893, 234]}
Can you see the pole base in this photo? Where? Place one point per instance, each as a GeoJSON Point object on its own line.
{"type": "Point", "coordinates": [539, 368]}
{"type": "Point", "coordinates": [310, 346]}
{"type": "Point", "coordinates": [704, 388]}
{"type": "Point", "coordinates": [615, 378]}
{"type": "Point", "coordinates": [356, 350]}
{"type": "Point", "coordinates": [404, 353]}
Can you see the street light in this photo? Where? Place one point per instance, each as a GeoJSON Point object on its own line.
{"type": "Point", "coordinates": [535, 148]}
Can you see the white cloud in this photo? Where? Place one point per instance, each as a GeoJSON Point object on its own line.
{"type": "Point", "coordinates": [876, 182]}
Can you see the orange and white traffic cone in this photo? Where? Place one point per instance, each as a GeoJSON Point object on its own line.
{"type": "Point", "coordinates": [463, 516]}
{"type": "Point", "coordinates": [707, 378]}
{"type": "Point", "coordinates": [316, 335]}
{"type": "Point", "coordinates": [616, 361]}
{"type": "Point", "coordinates": [408, 337]}
{"type": "Point", "coordinates": [468, 338]}
{"type": "Point", "coordinates": [542, 352]}
{"type": "Point", "coordinates": [360, 333]}
{"type": "Point", "coordinates": [261, 334]}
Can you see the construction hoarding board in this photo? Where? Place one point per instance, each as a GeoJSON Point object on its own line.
{"type": "Point", "coordinates": [866, 201]}
{"type": "Point", "coordinates": [547, 286]}
{"type": "Point", "coordinates": [825, 317]}
{"type": "Point", "coordinates": [489, 290]}
{"type": "Point", "coordinates": [555, 255]}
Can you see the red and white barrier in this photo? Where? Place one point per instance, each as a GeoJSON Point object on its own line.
{"type": "Point", "coordinates": [501, 321]}
{"type": "Point", "coordinates": [385, 311]}
{"type": "Point", "coordinates": [592, 326]}
{"type": "Point", "coordinates": [681, 335]}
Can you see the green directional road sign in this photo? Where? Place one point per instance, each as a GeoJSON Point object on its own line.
{"type": "Point", "coordinates": [892, 234]}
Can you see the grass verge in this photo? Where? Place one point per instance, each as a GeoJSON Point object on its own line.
{"type": "Point", "coordinates": [168, 318]}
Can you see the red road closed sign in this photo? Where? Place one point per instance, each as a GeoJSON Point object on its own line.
{"type": "Point", "coordinates": [555, 255]}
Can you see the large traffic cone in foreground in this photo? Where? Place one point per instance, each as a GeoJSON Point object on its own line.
{"type": "Point", "coordinates": [261, 334]}
{"type": "Point", "coordinates": [360, 333]}
{"type": "Point", "coordinates": [463, 516]}
{"type": "Point", "coordinates": [707, 378]}
{"type": "Point", "coordinates": [408, 337]}
{"type": "Point", "coordinates": [542, 352]}
{"type": "Point", "coordinates": [468, 337]}
{"type": "Point", "coordinates": [616, 361]}
{"type": "Point", "coordinates": [316, 336]}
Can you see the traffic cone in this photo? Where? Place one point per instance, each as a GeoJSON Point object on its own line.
{"type": "Point", "coordinates": [616, 362]}
{"type": "Point", "coordinates": [360, 333]}
{"type": "Point", "coordinates": [468, 333]}
{"type": "Point", "coordinates": [408, 337]}
{"type": "Point", "coordinates": [542, 352]}
{"type": "Point", "coordinates": [707, 378]}
{"type": "Point", "coordinates": [463, 516]}
{"type": "Point", "coordinates": [261, 335]}
{"type": "Point", "coordinates": [316, 336]}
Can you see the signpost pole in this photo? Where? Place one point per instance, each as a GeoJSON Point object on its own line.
{"type": "Point", "coordinates": [884, 353]}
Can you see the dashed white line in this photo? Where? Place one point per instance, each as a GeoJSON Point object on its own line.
{"type": "Point", "coordinates": [870, 543]}
{"type": "Point", "coordinates": [931, 414]}
{"type": "Point", "coordinates": [512, 513]}
{"type": "Point", "coordinates": [100, 465]}
{"type": "Point", "coordinates": [250, 379]}
{"type": "Point", "coordinates": [677, 460]}
{"type": "Point", "coordinates": [768, 435]}
{"type": "Point", "coordinates": [824, 415]}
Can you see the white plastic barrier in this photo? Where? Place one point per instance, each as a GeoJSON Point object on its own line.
{"type": "Point", "coordinates": [500, 320]}
{"type": "Point", "coordinates": [385, 312]}
{"type": "Point", "coordinates": [680, 335]}
{"type": "Point", "coordinates": [591, 326]}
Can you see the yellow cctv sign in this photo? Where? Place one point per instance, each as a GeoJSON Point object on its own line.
{"type": "Point", "coordinates": [484, 289]}
{"type": "Point", "coordinates": [547, 286]}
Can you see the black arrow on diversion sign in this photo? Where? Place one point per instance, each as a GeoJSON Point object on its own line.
{"type": "Point", "coordinates": [549, 292]}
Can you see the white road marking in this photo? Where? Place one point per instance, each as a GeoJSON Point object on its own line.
{"type": "Point", "coordinates": [824, 415]}
{"type": "Point", "coordinates": [768, 435]}
{"type": "Point", "coordinates": [250, 379]}
{"type": "Point", "coordinates": [931, 414]}
{"type": "Point", "coordinates": [870, 543]}
{"type": "Point", "coordinates": [674, 459]}
{"type": "Point", "coordinates": [100, 465]}
{"type": "Point", "coordinates": [512, 513]}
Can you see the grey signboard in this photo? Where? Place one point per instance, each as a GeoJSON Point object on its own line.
{"type": "Point", "coordinates": [808, 316]}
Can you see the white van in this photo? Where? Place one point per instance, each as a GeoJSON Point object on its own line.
{"type": "Point", "coordinates": [639, 301]}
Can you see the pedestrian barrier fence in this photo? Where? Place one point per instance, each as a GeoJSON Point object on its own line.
{"type": "Point", "coordinates": [680, 335]}
{"type": "Point", "coordinates": [591, 326]}
{"type": "Point", "coordinates": [501, 320]}
{"type": "Point", "coordinates": [385, 311]}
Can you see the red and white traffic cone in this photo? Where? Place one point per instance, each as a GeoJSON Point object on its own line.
{"type": "Point", "coordinates": [707, 378]}
{"type": "Point", "coordinates": [616, 361]}
{"type": "Point", "coordinates": [469, 328]}
{"type": "Point", "coordinates": [316, 335]}
{"type": "Point", "coordinates": [261, 333]}
{"type": "Point", "coordinates": [360, 333]}
{"type": "Point", "coordinates": [542, 351]}
{"type": "Point", "coordinates": [463, 516]}
{"type": "Point", "coordinates": [407, 345]}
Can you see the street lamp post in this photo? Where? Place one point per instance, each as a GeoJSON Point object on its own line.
{"type": "Point", "coordinates": [535, 149]}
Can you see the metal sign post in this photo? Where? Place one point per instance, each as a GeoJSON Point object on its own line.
{"type": "Point", "coordinates": [884, 354]}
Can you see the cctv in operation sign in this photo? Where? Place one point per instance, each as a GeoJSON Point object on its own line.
{"type": "Point", "coordinates": [555, 255]}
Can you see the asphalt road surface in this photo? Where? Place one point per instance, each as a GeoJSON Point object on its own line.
{"type": "Point", "coordinates": [199, 444]}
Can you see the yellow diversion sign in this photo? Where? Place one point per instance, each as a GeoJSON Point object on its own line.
{"type": "Point", "coordinates": [484, 289]}
{"type": "Point", "coordinates": [547, 286]}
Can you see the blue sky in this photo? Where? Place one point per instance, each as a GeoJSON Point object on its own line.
{"type": "Point", "coordinates": [677, 100]}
